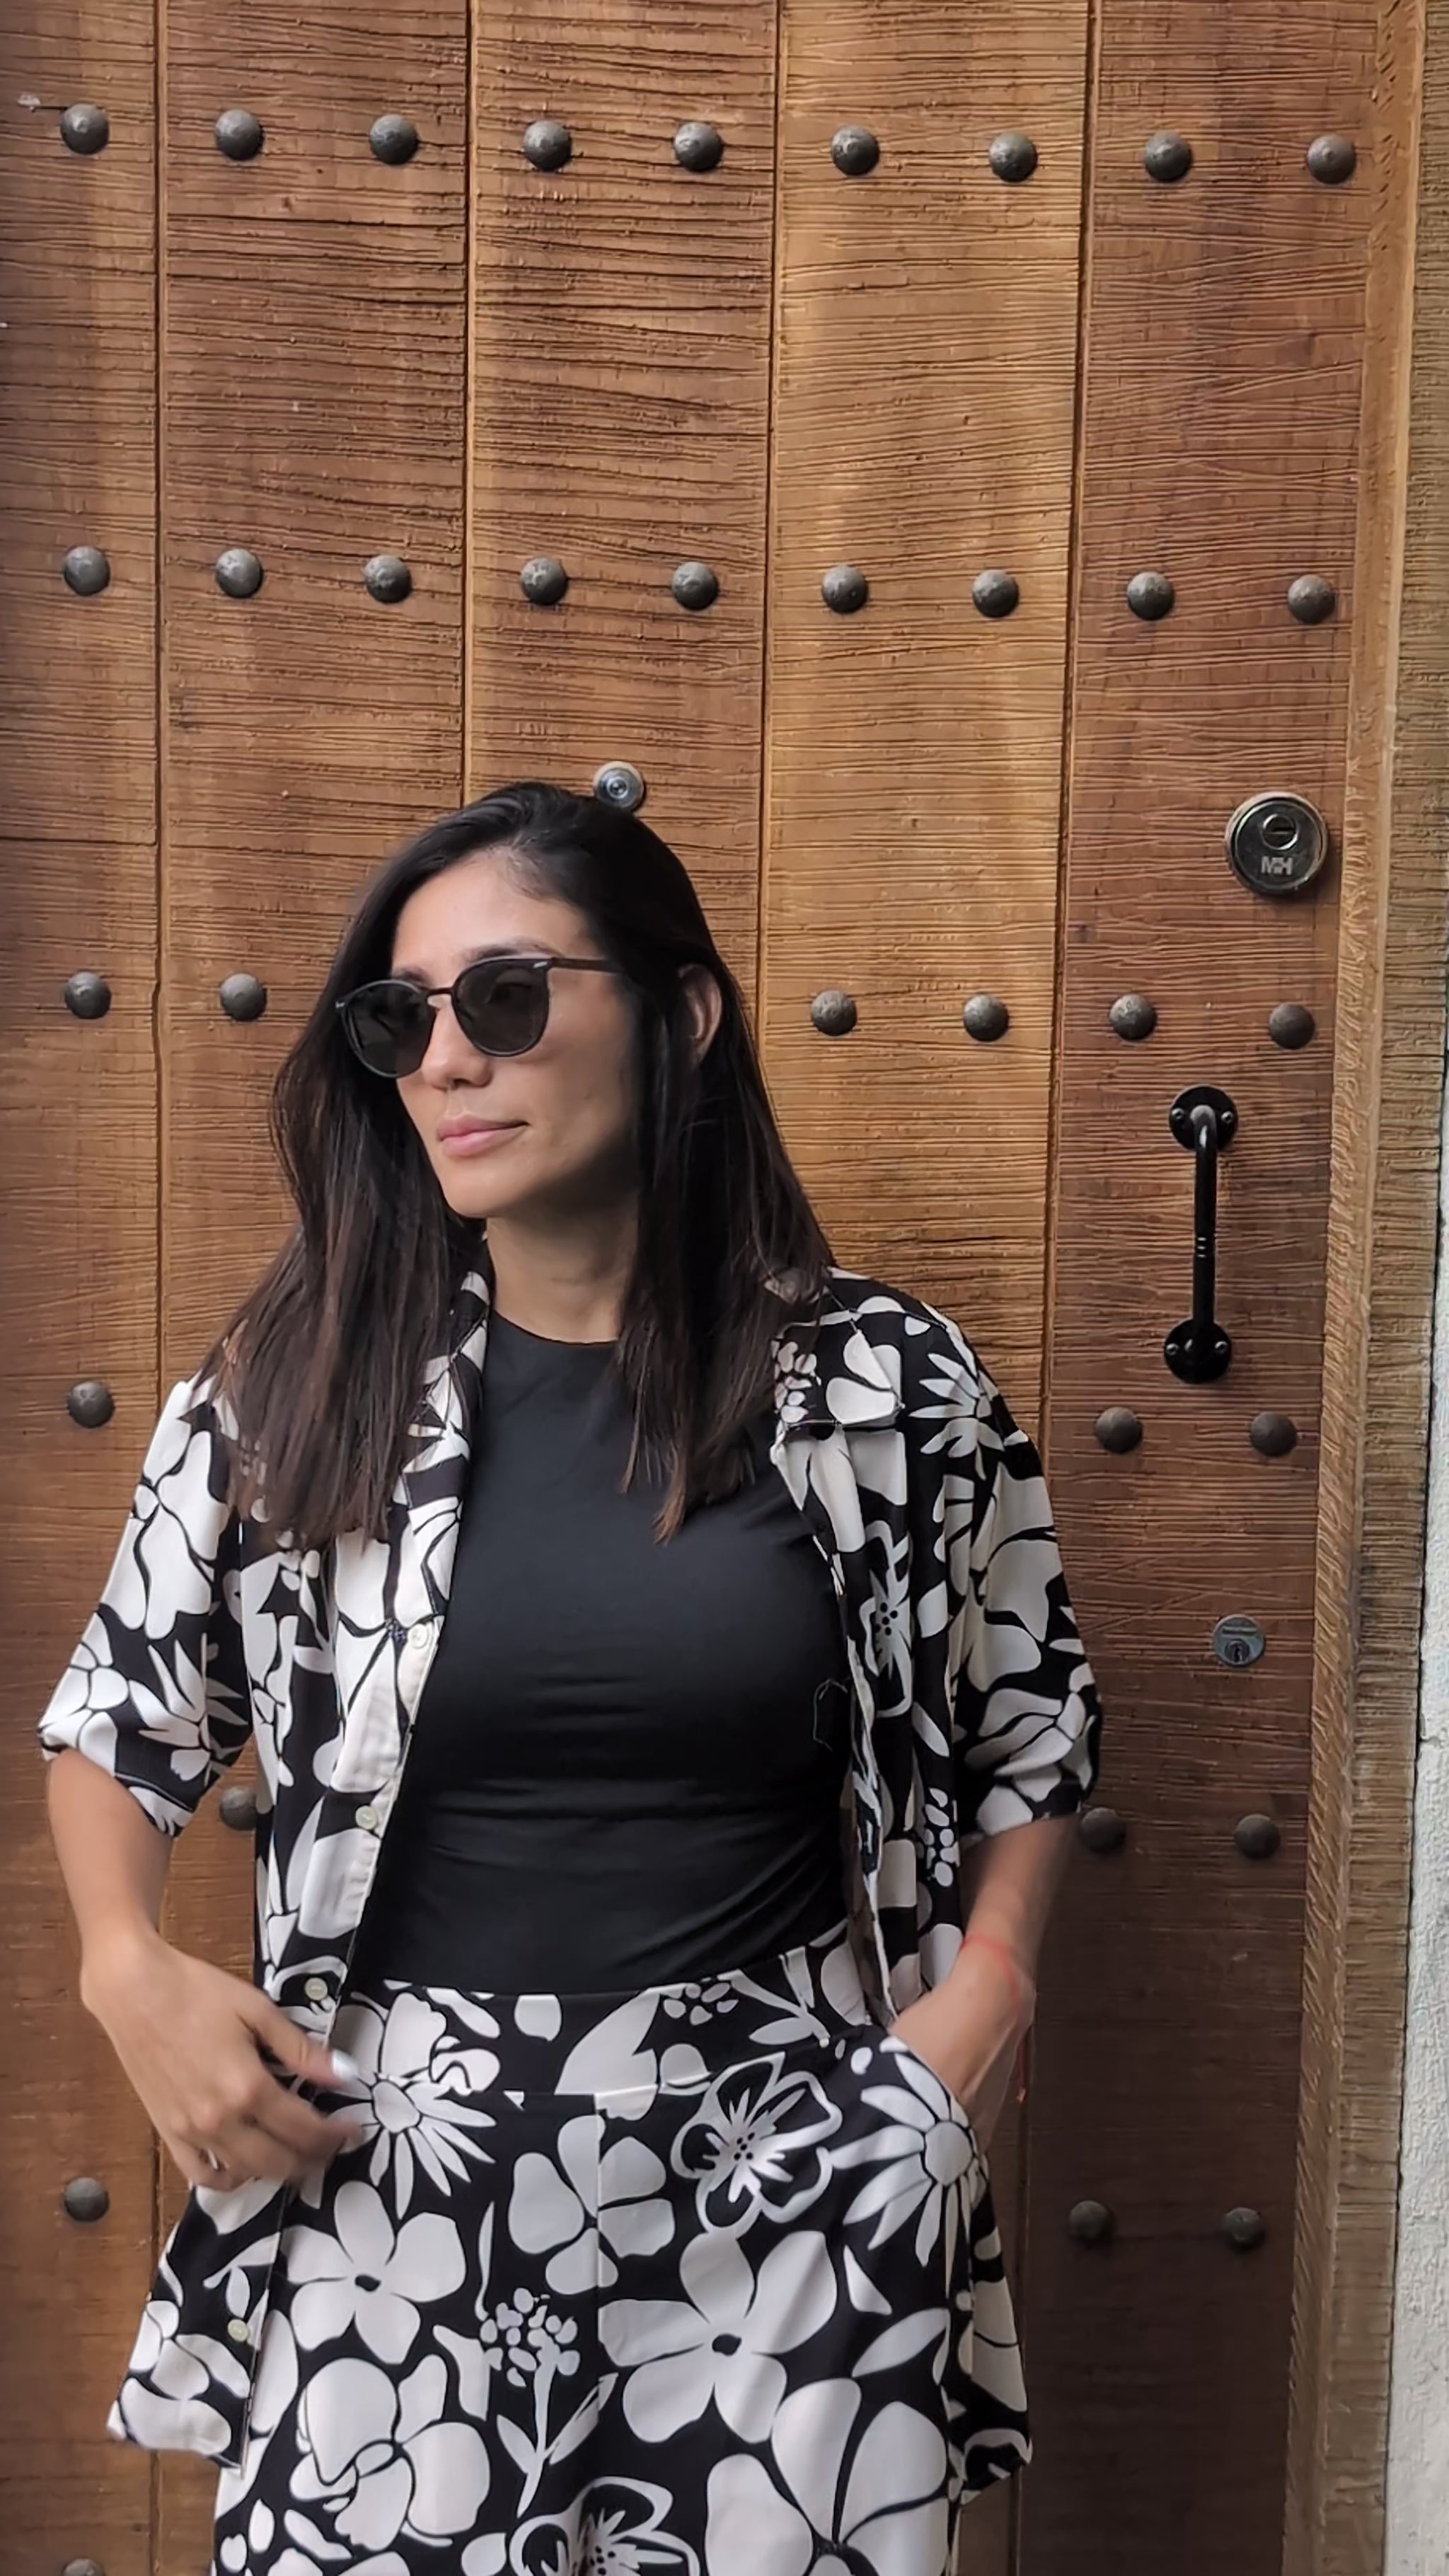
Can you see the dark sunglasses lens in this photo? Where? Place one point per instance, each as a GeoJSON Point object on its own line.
{"type": "Point", "coordinates": [388, 1026]}
{"type": "Point", "coordinates": [502, 1007]}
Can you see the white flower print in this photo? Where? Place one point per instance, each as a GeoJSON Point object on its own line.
{"type": "Point", "coordinates": [564, 2210]}
{"type": "Point", "coordinates": [614, 2529]}
{"type": "Point", "coordinates": [754, 2144]}
{"type": "Point", "coordinates": [353, 2271]}
{"type": "Point", "coordinates": [379, 2459]}
{"type": "Point", "coordinates": [414, 2100]}
{"type": "Point", "coordinates": [881, 2504]}
{"type": "Point", "coordinates": [722, 2345]}
{"type": "Point", "coordinates": [523, 2338]}
{"type": "Point", "coordinates": [922, 2153]}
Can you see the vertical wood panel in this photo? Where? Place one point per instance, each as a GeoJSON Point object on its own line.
{"type": "Point", "coordinates": [78, 1258]}
{"type": "Point", "coordinates": [619, 416]}
{"type": "Point", "coordinates": [1382, 1250]}
{"type": "Point", "coordinates": [926, 344]}
{"type": "Point", "coordinates": [1220, 414]}
{"type": "Point", "coordinates": [313, 391]}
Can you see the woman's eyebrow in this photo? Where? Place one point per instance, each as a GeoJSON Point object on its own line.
{"type": "Point", "coordinates": [475, 956]}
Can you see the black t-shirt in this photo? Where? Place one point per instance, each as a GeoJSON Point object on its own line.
{"type": "Point", "coordinates": [628, 1756]}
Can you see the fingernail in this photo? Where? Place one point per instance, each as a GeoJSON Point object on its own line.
{"type": "Point", "coordinates": [345, 2066]}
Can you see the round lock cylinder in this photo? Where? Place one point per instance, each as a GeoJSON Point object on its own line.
{"type": "Point", "coordinates": [1277, 844]}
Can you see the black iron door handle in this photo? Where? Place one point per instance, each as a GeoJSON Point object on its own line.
{"type": "Point", "coordinates": [1204, 1120]}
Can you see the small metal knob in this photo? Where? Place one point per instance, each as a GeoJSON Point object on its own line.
{"type": "Point", "coordinates": [1243, 2229]}
{"type": "Point", "coordinates": [543, 580]}
{"type": "Point", "coordinates": [985, 1017]}
{"type": "Point", "coordinates": [242, 997]}
{"type": "Point", "coordinates": [1150, 595]}
{"type": "Point", "coordinates": [547, 143]}
{"type": "Point", "coordinates": [1133, 1016]}
{"type": "Point", "coordinates": [87, 996]}
{"type": "Point", "coordinates": [237, 1806]}
{"type": "Point", "coordinates": [85, 129]}
{"type": "Point", "coordinates": [90, 1403]}
{"type": "Point", "coordinates": [1257, 1837]}
{"type": "Point", "coordinates": [1273, 1434]}
{"type": "Point", "coordinates": [698, 146]}
{"type": "Point", "coordinates": [1012, 157]}
{"type": "Point", "coordinates": [86, 2199]}
{"type": "Point", "coordinates": [1331, 158]}
{"type": "Point", "coordinates": [86, 571]}
{"type": "Point", "coordinates": [387, 578]}
{"type": "Point", "coordinates": [1291, 1024]}
{"type": "Point", "coordinates": [1090, 2221]}
{"type": "Point", "coordinates": [393, 138]}
{"type": "Point", "coordinates": [995, 594]}
{"type": "Point", "coordinates": [1119, 1429]}
{"type": "Point", "coordinates": [845, 589]}
{"type": "Point", "coordinates": [619, 784]}
{"type": "Point", "coordinates": [1167, 157]}
{"type": "Point", "coordinates": [1310, 599]}
{"type": "Point", "coordinates": [1102, 1829]}
{"type": "Point", "coordinates": [695, 585]}
{"type": "Point", "coordinates": [834, 1013]}
{"type": "Point", "coordinates": [854, 150]}
{"type": "Point", "coordinates": [239, 134]}
{"type": "Point", "coordinates": [238, 573]}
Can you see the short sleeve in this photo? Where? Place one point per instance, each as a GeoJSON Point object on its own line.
{"type": "Point", "coordinates": [1027, 1717]}
{"type": "Point", "coordinates": [156, 1690]}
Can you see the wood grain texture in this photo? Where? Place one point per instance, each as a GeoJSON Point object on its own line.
{"type": "Point", "coordinates": [619, 416]}
{"type": "Point", "coordinates": [925, 360]}
{"type": "Point", "coordinates": [1383, 1240]}
{"type": "Point", "coordinates": [78, 1251]}
{"type": "Point", "coordinates": [313, 399]}
{"type": "Point", "coordinates": [1224, 355]}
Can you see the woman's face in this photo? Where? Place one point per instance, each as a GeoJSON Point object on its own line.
{"type": "Point", "coordinates": [545, 1131]}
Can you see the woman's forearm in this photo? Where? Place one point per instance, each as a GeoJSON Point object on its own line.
{"type": "Point", "coordinates": [113, 1860]}
{"type": "Point", "coordinates": [1010, 1881]}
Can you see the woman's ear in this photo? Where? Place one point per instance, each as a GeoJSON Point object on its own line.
{"type": "Point", "coordinates": [706, 1005]}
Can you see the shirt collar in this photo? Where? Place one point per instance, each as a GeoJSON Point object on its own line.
{"type": "Point", "coordinates": [828, 1376]}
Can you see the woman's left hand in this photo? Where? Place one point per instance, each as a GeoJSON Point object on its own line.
{"type": "Point", "coordinates": [968, 2029]}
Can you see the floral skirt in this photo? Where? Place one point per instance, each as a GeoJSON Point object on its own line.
{"type": "Point", "coordinates": [704, 2278]}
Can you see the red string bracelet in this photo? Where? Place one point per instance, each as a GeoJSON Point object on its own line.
{"type": "Point", "coordinates": [1026, 2003]}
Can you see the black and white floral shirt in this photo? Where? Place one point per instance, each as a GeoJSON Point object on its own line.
{"type": "Point", "coordinates": [975, 1709]}
{"type": "Point", "coordinates": [975, 1705]}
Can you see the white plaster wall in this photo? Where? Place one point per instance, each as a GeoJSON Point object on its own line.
{"type": "Point", "coordinates": [1417, 2538]}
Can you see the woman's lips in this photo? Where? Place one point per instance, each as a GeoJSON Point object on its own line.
{"type": "Point", "coordinates": [476, 1140]}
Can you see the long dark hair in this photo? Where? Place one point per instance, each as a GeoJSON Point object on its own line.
{"type": "Point", "coordinates": [323, 1361]}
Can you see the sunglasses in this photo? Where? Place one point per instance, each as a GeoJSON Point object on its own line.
{"type": "Point", "coordinates": [500, 1004]}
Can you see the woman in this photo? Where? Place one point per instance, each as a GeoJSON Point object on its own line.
{"type": "Point", "coordinates": [657, 1651]}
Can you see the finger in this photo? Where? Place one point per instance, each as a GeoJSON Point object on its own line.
{"type": "Point", "coordinates": [296, 2125]}
{"type": "Point", "coordinates": [293, 2048]}
{"type": "Point", "coordinates": [252, 2155]}
{"type": "Point", "coordinates": [195, 2167]}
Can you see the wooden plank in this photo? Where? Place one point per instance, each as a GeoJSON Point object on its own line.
{"type": "Point", "coordinates": [1223, 362]}
{"type": "Point", "coordinates": [78, 1256]}
{"type": "Point", "coordinates": [313, 385]}
{"type": "Point", "coordinates": [1382, 1249]}
{"type": "Point", "coordinates": [620, 400]}
{"type": "Point", "coordinates": [926, 331]}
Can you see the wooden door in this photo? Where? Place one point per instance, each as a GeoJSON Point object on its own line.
{"type": "Point", "coordinates": [1036, 386]}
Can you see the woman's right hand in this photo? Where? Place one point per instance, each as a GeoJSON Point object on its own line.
{"type": "Point", "coordinates": [190, 2038]}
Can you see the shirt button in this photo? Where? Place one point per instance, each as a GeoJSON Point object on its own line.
{"type": "Point", "coordinates": [366, 1817]}
{"type": "Point", "coordinates": [419, 1635]}
{"type": "Point", "coordinates": [316, 1990]}
{"type": "Point", "coordinates": [239, 2330]}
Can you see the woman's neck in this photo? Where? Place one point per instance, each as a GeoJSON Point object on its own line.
{"type": "Point", "coordinates": [565, 1286]}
